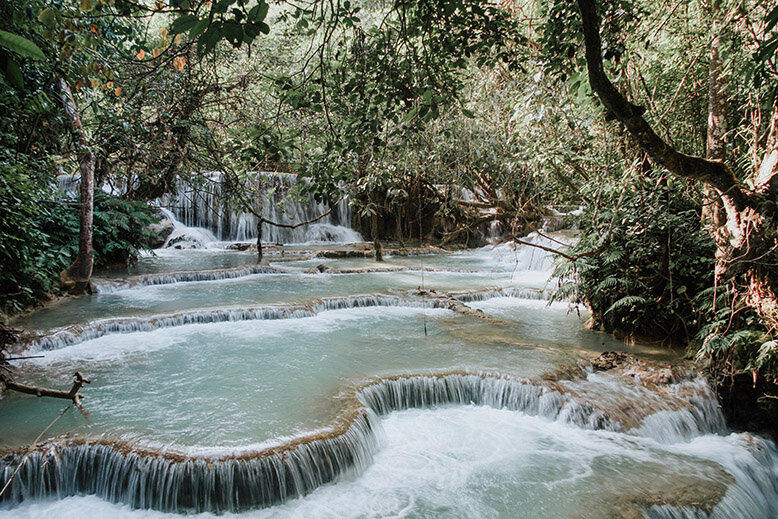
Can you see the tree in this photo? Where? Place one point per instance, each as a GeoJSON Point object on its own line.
{"type": "Point", "coordinates": [77, 278]}
{"type": "Point", "coordinates": [747, 255]}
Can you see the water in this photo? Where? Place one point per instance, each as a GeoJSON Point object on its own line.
{"type": "Point", "coordinates": [204, 217]}
{"type": "Point", "coordinates": [284, 393]}
{"type": "Point", "coordinates": [202, 206]}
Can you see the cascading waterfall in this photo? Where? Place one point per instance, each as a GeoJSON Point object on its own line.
{"type": "Point", "coordinates": [80, 333]}
{"type": "Point", "coordinates": [107, 287]}
{"type": "Point", "coordinates": [204, 206]}
{"type": "Point", "coordinates": [519, 293]}
{"type": "Point", "coordinates": [233, 481]}
{"type": "Point", "coordinates": [177, 483]}
{"type": "Point", "coordinates": [655, 413]}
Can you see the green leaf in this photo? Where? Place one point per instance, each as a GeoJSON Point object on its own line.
{"type": "Point", "coordinates": [468, 113]}
{"type": "Point", "coordinates": [208, 41]}
{"type": "Point", "coordinates": [20, 45]}
{"type": "Point", "coordinates": [630, 302]}
{"type": "Point", "coordinates": [46, 17]}
{"type": "Point", "coordinates": [410, 115]}
{"type": "Point", "coordinates": [13, 74]}
{"type": "Point", "coordinates": [183, 23]}
{"type": "Point", "coordinates": [233, 32]}
{"type": "Point", "coordinates": [261, 12]}
{"type": "Point", "coordinates": [198, 28]}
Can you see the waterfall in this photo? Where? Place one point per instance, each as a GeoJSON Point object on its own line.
{"type": "Point", "coordinates": [519, 293]}
{"type": "Point", "coordinates": [107, 287]}
{"type": "Point", "coordinates": [177, 483]}
{"type": "Point", "coordinates": [204, 206]}
{"type": "Point", "coordinates": [68, 185]}
{"type": "Point", "coordinates": [234, 481]}
{"type": "Point", "coordinates": [81, 333]}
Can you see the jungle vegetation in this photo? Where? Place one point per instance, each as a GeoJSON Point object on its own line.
{"type": "Point", "coordinates": [658, 117]}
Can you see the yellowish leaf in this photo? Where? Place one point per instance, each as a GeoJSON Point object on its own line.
{"type": "Point", "coordinates": [141, 53]}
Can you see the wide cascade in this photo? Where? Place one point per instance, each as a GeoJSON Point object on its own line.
{"type": "Point", "coordinates": [203, 205]}
{"type": "Point", "coordinates": [438, 385]}
{"type": "Point", "coordinates": [202, 208]}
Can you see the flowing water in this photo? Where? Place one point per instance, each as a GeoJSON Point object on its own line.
{"type": "Point", "coordinates": [201, 206]}
{"type": "Point", "coordinates": [223, 388]}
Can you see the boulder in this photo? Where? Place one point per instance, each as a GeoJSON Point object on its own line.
{"type": "Point", "coordinates": [160, 231]}
{"type": "Point", "coordinates": [184, 241]}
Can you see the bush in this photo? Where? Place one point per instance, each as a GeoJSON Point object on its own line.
{"type": "Point", "coordinates": [653, 258]}
{"type": "Point", "coordinates": [39, 233]}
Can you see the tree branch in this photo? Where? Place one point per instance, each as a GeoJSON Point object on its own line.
{"type": "Point", "coordinates": [716, 174]}
{"type": "Point", "coordinates": [73, 394]}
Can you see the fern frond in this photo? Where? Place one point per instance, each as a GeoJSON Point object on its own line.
{"type": "Point", "coordinates": [627, 301]}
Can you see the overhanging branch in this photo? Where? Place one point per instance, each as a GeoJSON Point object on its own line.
{"type": "Point", "coordinates": [716, 174]}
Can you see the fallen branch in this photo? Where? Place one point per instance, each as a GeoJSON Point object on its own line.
{"type": "Point", "coordinates": [296, 225]}
{"type": "Point", "coordinates": [73, 394]}
{"type": "Point", "coordinates": [547, 249]}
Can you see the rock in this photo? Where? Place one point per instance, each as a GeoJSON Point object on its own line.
{"type": "Point", "coordinates": [184, 241]}
{"type": "Point", "coordinates": [610, 359]}
{"type": "Point", "coordinates": [161, 231]}
{"type": "Point", "coordinates": [345, 254]}
{"type": "Point", "coordinates": [241, 246]}
{"type": "Point", "coordinates": [322, 268]}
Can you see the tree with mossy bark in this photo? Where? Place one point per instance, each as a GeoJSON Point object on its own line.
{"type": "Point", "coordinates": [746, 236]}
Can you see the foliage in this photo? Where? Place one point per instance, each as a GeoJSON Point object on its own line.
{"type": "Point", "coordinates": [28, 263]}
{"type": "Point", "coordinates": [732, 336]}
{"type": "Point", "coordinates": [119, 228]}
{"type": "Point", "coordinates": [39, 233]}
{"type": "Point", "coordinates": [652, 259]}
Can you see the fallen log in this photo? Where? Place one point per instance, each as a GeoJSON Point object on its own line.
{"type": "Point", "coordinates": [73, 394]}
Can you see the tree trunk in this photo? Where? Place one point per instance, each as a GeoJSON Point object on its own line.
{"type": "Point", "coordinates": [748, 251]}
{"type": "Point", "coordinates": [716, 145]}
{"type": "Point", "coordinates": [77, 278]}
{"type": "Point", "coordinates": [379, 256]}
{"type": "Point", "coordinates": [260, 221]}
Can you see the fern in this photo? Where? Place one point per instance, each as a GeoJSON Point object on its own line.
{"type": "Point", "coordinates": [627, 301]}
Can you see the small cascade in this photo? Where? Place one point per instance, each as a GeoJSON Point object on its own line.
{"type": "Point", "coordinates": [183, 236]}
{"type": "Point", "coordinates": [182, 484]}
{"type": "Point", "coordinates": [107, 287]}
{"type": "Point", "coordinates": [234, 481]}
{"type": "Point", "coordinates": [68, 185]}
{"type": "Point", "coordinates": [527, 257]}
{"type": "Point", "coordinates": [81, 333]}
{"type": "Point", "coordinates": [518, 293]}
{"type": "Point", "coordinates": [204, 206]}
{"type": "Point", "coordinates": [76, 334]}
{"type": "Point", "coordinates": [754, 492]}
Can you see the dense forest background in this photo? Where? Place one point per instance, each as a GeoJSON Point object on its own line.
{"type": "Point", "coordinates": [658, 117]}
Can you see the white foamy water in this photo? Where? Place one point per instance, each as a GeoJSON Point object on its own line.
{"type": "Point", "coordinates": [483, 462]}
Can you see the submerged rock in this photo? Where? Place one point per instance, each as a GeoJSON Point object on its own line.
{"type": "Point", "coordinates": [611, 359]}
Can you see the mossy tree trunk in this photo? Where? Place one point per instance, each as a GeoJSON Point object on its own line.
{"type": "Point", "coordinates": [747, 256]}
{"type": "Point", "coordinates": [77, 278]}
